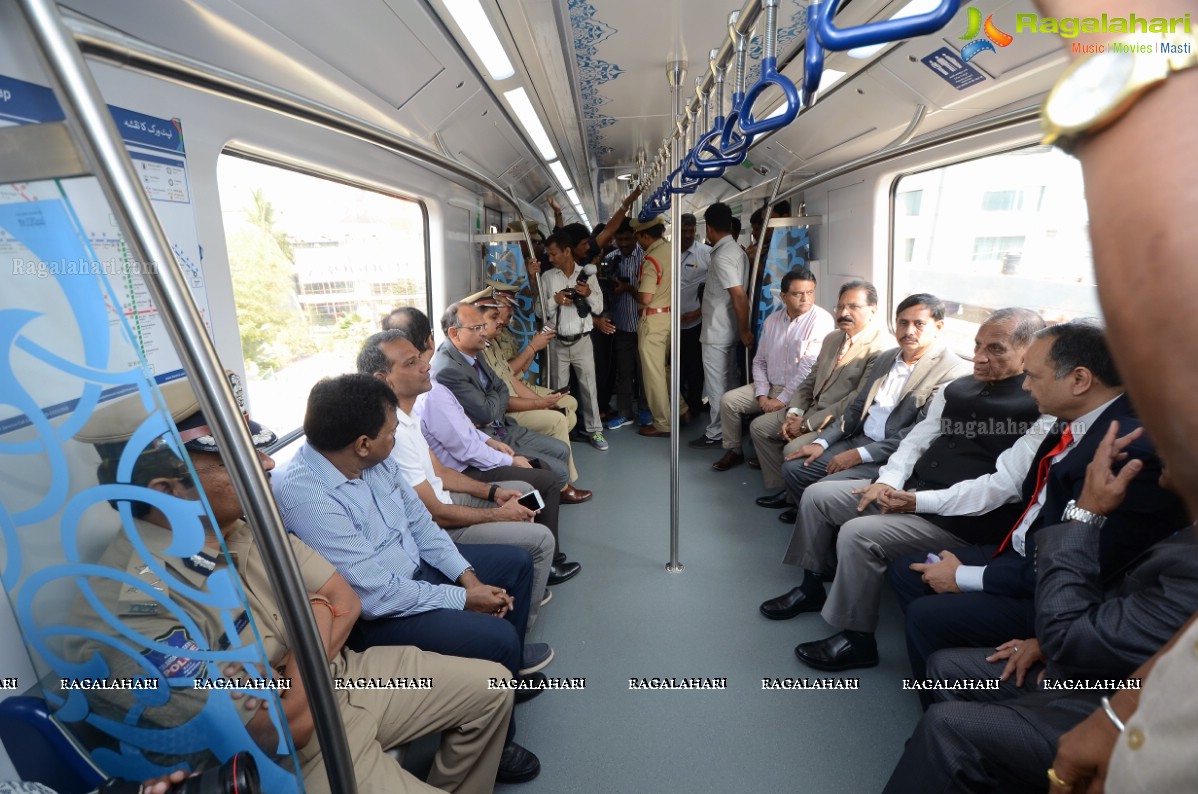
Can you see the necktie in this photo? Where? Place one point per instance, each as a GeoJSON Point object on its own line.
{"type": "Point", "coordinates": [845, 346]}
{"type": "Point", "coordinates": [496, 425]}
{"type": "Point", "coordinates": [1041, 478]}
{"type": "Point", "coordinates": [482, 378]}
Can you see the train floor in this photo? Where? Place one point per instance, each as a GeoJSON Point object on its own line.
{"type": "Point", "coordinates": [625, 617]}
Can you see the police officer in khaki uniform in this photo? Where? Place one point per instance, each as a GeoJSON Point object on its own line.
{"type": "Point", "coordinates": [653, 331]}
{"type": "Point", "coordinates": [173, 609]}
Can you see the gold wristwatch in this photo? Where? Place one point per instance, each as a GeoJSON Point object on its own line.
{"type": "Point", "coordinates": [1096, 90]}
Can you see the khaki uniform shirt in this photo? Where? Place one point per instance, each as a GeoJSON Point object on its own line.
{"type": "Point", "coordinates": [656, 273]}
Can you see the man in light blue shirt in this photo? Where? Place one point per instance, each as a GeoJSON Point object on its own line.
{"type": "Point", "coordinates": [344, 496]}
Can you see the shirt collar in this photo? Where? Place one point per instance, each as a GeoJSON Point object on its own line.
{"type": "Point", "coordinates": [321, 467]}
{"type": "Point", "coordinates": [1079, 425]}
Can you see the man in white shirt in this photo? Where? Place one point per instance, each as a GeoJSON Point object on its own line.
{"type": "Point", "coordinates": [575, 297]}
{"type": "Point", "coordinates": [791, 339]}
{"type": "Point", "coordinates": [725, 317]}
{"type": "Point", "coordinates": [692, 270]}
{"type": "Point", "coordinates": [469, 510]}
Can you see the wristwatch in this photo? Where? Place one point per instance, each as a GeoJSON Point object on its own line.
{"type": "Point", "coordinates": [1075, 513]}
{"type": "Point", "coordinates": [1097, 89]}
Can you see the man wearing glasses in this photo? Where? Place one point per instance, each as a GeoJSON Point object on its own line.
{"type": "Point", "coordinates": [458, 365]}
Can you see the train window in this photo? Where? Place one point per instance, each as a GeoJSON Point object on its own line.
{"type": "Point", "coordinates": [1006, 230]}
{"type": "Point", "coordinates": [315, 265]}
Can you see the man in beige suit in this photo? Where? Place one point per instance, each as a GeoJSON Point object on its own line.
{"type": "Point", "coordinates": [886, 405]}
{"type": "Point", "coordinates": [844, 361]}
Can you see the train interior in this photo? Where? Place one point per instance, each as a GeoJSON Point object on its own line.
{"type": "Point", "coordinates": [314, 165]}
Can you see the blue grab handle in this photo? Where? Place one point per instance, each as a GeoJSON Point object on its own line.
{"type": "Point", "coordinates": [694, 167]}
{"type": "Point", "coordinates": [882, 32]}
{"type": "Point", "coordinates": [677, 184]}
{"type": "Point", "coordinates": [813, 56]}
{"type": "Point", "coordinates": [733, 144]}
{"type": "Point", "coordinates": [707, 150]}
{"type": "Point", "coordinates": [769, 76]}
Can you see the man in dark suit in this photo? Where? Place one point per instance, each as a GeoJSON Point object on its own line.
{"type": "Point", "coordinates": [887, 405]}
{"type": "Point", "coordinates": [982, 595]}
{"type": "Point", "coordinates": [459, 366]}
{"type": "Point", "coordinates": [970, 424]}
{"type": "Point", "coordinates": [1089, 626]}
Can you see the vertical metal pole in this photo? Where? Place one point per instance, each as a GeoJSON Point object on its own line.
{"type": "Point", "coordinates": [754, 269]}
{"type": "Point", "coordinates": [101, 144]}
{"type": "Point", "coordinates": [675, 72]}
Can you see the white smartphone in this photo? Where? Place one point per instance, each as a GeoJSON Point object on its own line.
{"type": "Point", "coordinates": [532, 500]}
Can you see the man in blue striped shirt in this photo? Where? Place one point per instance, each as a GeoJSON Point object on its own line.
{"type": "Point", "coordinates": [344, 496]}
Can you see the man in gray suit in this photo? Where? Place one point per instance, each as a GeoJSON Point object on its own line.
{"type": "Point", "coordinates": [459, 366]}
{"type": "Point", "coordinates": [886, 405]}
{"type": "Point", "coordinates": [845, 359]}
{"type": "Point", "coordinates": [1088, 629]}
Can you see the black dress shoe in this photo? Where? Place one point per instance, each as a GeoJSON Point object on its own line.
{"type": "Point", "coordinates": [533, 684]}
{"type": "Point", "coordinates": [517, 765]}
{"type": "Point", "coordinates": [838, 652]}
{"type": "Point", "coordinates": [559, 558]}
{"type": "Point", "coordinates": [795, 602]}
{"type": "Point", "coordinates": [563, 572]}
{"type": "Point", "coordinates": [776, 502]}
{"type": "Point", "coordinates": [703, 442]}
{"type": "Point", "coordinates": [788, 516]}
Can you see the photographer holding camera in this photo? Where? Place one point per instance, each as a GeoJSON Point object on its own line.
{"type": "Point", "coordinates": [576, 297]}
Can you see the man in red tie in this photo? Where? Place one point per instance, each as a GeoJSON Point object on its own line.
{"type": "Point", "coordinates": [1070, 374]}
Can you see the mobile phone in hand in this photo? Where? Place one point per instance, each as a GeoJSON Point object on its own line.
{"type": "Point", "coordinates": [562, 390]}
{"type": "Point", "coordinates": [532, 500]}
{"type": "Point", "coordinates": [932, 558]}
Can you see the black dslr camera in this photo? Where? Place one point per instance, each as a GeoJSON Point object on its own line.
{"type": "Point", "coordinates": [238, 775]}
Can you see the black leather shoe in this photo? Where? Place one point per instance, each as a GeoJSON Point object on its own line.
{"type": "Point", "coordinates": [559, 558]}
{"type": "Point", "coordinates": [775, 502]}
{"type": "Point", "coordinates": [703, 442]}
{"type": "Point", "coordinates": [517, 765]}
{"type": "Point", "coordinates": [795, 602]}
{"type": "Point", "coordinates": [838, 652]}
{"type": "Point", "coordinates": [564, 572]}
{"type": "Point", "coordinates": [534, 684]}
{"type": "Point", "coordinates": [788, 516]}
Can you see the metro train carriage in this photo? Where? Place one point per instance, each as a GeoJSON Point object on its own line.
{"type": "Point", "coordinates": [212, 206]}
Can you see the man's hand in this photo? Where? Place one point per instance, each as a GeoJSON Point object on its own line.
{"type": "Point", "coordinates": [583, 289]}
{"type": "Point", "coordinates": [792, 428]}
{"type": "Point", "coordinates": [769, 404]}
{"type": "Point", "coordinates": [746, 337]}
{"type": "Point", "coordinates": [553, 205]}
{"type": "Point", "coordinates": [808, 453]}
{"type": "Point", "coordinates": [505, 495]}
{"type": "Point", "coordinates": [499, 446]}
{"type": "Point", "coordinates": [897, 502]}
{"type": "Point", "coordinates": [626, 205]}
{"type": "Point", "coordinates": [1084, 753]}
{"type": "Point", "coordinates": [512, 511]}
{"type": "Point", "coordinates": [940, 576]}
{"type": "Point", "coordinates": [562, 299]}
{"type": "Point", "coordinates": [1021, 655]}
{"type": "Point", "coordinates": [521, 461]}
{"type": "Point", "coordinates": [549, 401]}
{"type": "Point", "coordinates": [872, 494]}
{"type": "Point", "coordinates": [604, 325]}
{"type": "Point", "coordinates": [1104, 490]}
{"type": "Point", "coordinates": [844, 460]}
{"type": "Point", "coordinates": [163, 783]}
{"type": "Point", "coordinates": [540, 340]}
{"type": "Point", "coordinates": [690, 317]}
{"type": "Point", "coordinates": [236, 670]}
{"type": "Point", "coordinates": [488, 600]}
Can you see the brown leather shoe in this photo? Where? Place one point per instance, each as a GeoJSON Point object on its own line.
{"type": "Point", "coordinates": [575, 496]}
{"type": "Point", "coordinates": [652, 432]}
{"type": "Point", "coordinates": [731, 458]}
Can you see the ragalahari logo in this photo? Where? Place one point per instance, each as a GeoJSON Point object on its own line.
{"type": "Point", "coordinates": [993, 34]}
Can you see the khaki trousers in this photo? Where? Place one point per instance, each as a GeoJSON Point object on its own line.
{"type": "Point", "coordinates": [471, 719]}
{"type": "Point", "coordinates": [735, 405]}
{"type": "Point", "coordinates": [654, 347]}
{"type": "Point", "coordinates": [553, 423]}
{"type": "Point", "coordinates": [771, 448]}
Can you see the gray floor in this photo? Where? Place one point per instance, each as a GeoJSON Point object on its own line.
{"type": "Point", "coordinates": [625, 617]}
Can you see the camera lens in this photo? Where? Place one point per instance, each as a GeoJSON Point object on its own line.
{"type": "Point", "coordinates": [238, 775]}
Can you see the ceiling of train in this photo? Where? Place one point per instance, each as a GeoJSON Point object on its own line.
{"type": "Point", "coordinates": [595, 71]}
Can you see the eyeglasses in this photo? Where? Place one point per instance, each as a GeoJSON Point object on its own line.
{"type": "Point", "coordinates": [478, 329]}
{"type": "Point", "coordinates": [853, 307]}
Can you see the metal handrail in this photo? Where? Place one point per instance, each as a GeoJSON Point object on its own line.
{"type": "Point", "coordinates": [101, 144]}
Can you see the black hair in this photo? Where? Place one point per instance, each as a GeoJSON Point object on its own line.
{"type": "Point", "coordinates": [450, 318]}
{"type": "Point", "coordinates": [598, 228]}
{"type": "Point", "coordinates": [563, 240]}
{"type": "Point", "coordinates": [157, 460]}
{"type": "Point", "coordinates": [871, 292]}
{"type": "Point", "coordinates": [757, 217]}
{"type": "Point", "coordinates": [782, 209]}
{"type": "Point", "coordinates": [929, 301]}
{"type": "Point", "coordinates": [343, 409]}
{"type": "Point", "coordinates": [625, 227]}
{"type": "Point", "coordinates": [1027, 324]}
{"type": "Point", "coordinates": [575, 234]}
{"type": "Point", "coordinates": [1081, 343]}
{"type": "Point", "coordinates": [735, 231]}
{"type": "Point", "coordinates": [798, 274]}
{"type": "Point", "coordinates": [371, 358]}
{"type": "Point", "coordinates": [688, 219]}
{"type": "Point", "coordinates": [719, 217]}
{"type": "Point", "coordinates": [413, 322]}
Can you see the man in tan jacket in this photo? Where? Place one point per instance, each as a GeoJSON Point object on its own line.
{"type": "Point", "coordinates": [844, 362]}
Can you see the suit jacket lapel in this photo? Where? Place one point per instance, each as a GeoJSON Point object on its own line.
{"type": "Point", "coordinates": [883, 366]}
{"type": "Point", "coordinates": [924, 369]}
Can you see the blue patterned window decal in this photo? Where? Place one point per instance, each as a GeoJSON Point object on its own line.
{"type": "Point", "coordinates": [790, 248]}
{"type": "Point", "coordinates": [504, 263]}
{"type": "Point", "coordinates": [93, 597]}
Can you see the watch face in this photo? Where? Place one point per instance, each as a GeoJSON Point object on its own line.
{"type": "Point", "coordinates": [1091, 89]}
